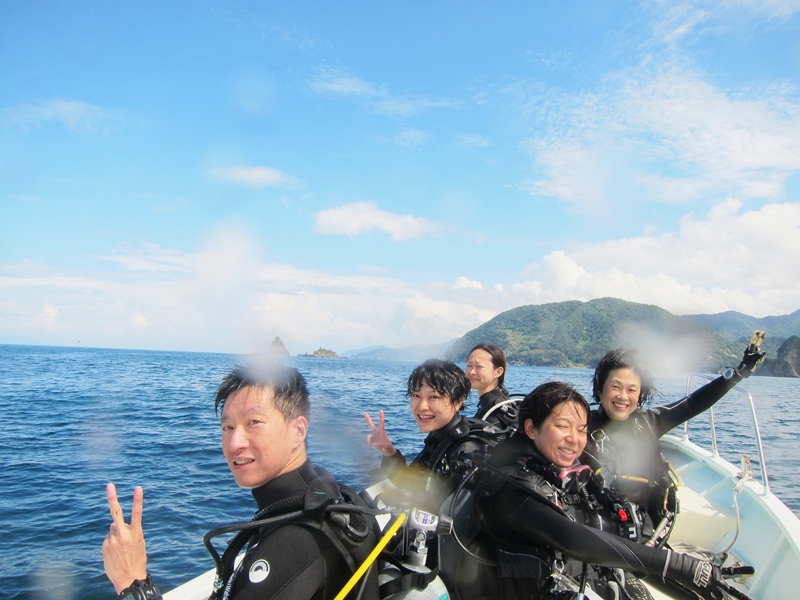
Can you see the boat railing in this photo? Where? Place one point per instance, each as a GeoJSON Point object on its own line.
{"type": "Point", "coordinates": [714, 447]}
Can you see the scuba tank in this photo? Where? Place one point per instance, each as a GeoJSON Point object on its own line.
{"type": "Point", "coordinates": [409, 577]}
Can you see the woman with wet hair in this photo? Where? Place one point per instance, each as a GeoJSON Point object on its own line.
{"type": "Point", "coordinates": [624, 433]}
{"type": "Point", "coordinates": [486, 371]}
{"type": "Point", "coordinates": [534, 509]}
{"type": "Point", "coordinates": [437, 390]}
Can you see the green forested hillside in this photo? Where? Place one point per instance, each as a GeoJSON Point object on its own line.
{"type": "Point", "coordinates": [578, 334]}
{"type": "Point", "coordinates": [787, 363]}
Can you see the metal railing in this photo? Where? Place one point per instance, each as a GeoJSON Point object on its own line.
{"type": "Point", "coordinates": [714, 448]}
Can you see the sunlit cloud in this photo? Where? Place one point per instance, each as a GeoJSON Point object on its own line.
{"type": "Point", "coordinates": [337, 81]}
{"type": "Point", "coordinates": [151, 258]}
{"type": "Point", "coordinates": [360, 217]}
{"type": "Point", "coordinates": [464, 283]}
{"type": "Point", "coordinates": [729, 260]}
{"type": "Point", "coordinates": [411, 137]}
{"type": "Point", "coordinates": [665, 135]}
{"type": "Point", "coordinates": [227, 296]}
{"type": "Point", "coordinates": [139, 321]}
{"type": "Point", "coordinates": [675, 20]}
{"type": "Point", "coordinates": [48, 315]}
{"type": "Point", "coordinates": [255, 177]}
{"type": "Point", "coordinates": [73, 115]}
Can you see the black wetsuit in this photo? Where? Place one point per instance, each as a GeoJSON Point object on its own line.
{"type": "Point", "coordinates": [629, 451]}
{"type": "Point", "coordinates": [531, 536]}
{"type": "Point", "coordinates": [436, 470]}
{"type": "Point", "coordinates": [505, 416]}
{"type": "Point", "coordinates": [292, 562]}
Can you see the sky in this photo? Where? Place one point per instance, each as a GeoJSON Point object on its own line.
{"type": "Point", "coordinates": [206, 175]}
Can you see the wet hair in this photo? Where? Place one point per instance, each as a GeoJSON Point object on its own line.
{"type": "Point", "coordinates": [498, 360]}
{"type": "Point", "coordinates": [445, 377]}
{"type": "Point", "coordinates": [623, 358]}
{"type": "Point", "coordinates": [289, 389]}
{"type": "Point", "coordinates": [539, 404]}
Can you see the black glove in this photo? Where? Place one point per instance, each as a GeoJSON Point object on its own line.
{"type": "Point", "coordinates": [752, 355]}
{"type": "Point", "coordinates": [698, 576]}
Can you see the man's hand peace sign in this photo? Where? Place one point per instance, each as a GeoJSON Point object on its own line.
{"type": "Point", "coordinates": [124, 555]}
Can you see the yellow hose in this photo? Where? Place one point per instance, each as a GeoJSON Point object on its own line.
{"type": "Point", "coordinates": [372, 556]}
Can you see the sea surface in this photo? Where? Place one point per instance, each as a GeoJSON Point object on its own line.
{"type": "Point", "coordinates": [77, 418]}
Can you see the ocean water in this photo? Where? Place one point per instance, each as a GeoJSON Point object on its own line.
{"type": "Point", "coordinates": [77, 418]}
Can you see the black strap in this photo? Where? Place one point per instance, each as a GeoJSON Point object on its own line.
{"type": "Point", "coordinates": [408, 579]}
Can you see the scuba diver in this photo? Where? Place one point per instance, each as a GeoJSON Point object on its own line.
{"type": "Point", "coordinates": [437, 390]}
{"type": "Point", "coordinates": [623, 438]}
{"type": "Point", "coordinates": [486, 370]}
{"type": "Point", "coordinates": [531, 516]}
{"type": "Point", "coordinates": [310, 536]}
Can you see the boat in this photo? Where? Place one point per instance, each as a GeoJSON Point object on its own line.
{"type": "Point", "coordinates": [724, 508]}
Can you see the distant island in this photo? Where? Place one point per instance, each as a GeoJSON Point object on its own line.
{"type": "Point", "coordinates": [322, 353]}
{"type": "Point", "coordinates": [277, 348]}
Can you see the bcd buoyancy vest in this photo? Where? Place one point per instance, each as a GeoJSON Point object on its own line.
{"type": "Point", "coordinates": [639, 483]}
{"type": "Point", "coordinates": [350, 534]}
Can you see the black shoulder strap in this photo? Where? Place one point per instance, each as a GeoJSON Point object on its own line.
{"type": "Point", "coordinates": [246, 532]}
{"type": "Point", "coordinates": [480, 431]}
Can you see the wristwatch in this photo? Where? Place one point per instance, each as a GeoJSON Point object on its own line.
{"type": "Point", "coordinates": [140, 589]}
{"type": "Point", "coordinates": [728, 373]}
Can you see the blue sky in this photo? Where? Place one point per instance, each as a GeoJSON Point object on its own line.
{"type": "Point", "coordinates": [207, 175]}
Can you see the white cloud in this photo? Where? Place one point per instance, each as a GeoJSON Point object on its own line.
{"type": "Point", "coordinates": [227, 296]}
{"type": "Point", "coordinates": [727, 261]}
{"type": "Point", "coordinates": [337, 81]}
{"type": "Point", "coordinates": [664, 134]}
{"type": "Point", "coordinates": [139, 321]}
{"type": "Point", "coordinates": [151, 257]}
{"type": "Point", "coordinates": [72, 114]}
{"type": "Point", "coordinates": [255, 177]}
{"type": "Point", "coordinates": [464, 283]}
{"type": "Point", "coordinates": [48, 315]}
{"type": "Point", "coordinates": [360, 217]}
{"type": "Point", "coordinates": [411, 137]}
{"type": "Point", "coordinates": [674, 20]}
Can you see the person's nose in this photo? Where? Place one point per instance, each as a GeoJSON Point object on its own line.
{"type": "Point", "coordinates": [238, 439]}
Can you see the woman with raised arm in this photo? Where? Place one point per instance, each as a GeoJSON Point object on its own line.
{"type": "Point", "coordinates": [624, 434]}
{"type": "Point", "coordinates": [533, 507]}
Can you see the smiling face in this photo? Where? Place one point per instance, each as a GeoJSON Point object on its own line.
{"type": "Point", "coordinates": [257, 442]}
{"type": "Point", "coordinates": [620, 395]}
{"type": "Point", "coordinates": [481, 372]}
{"type": "Point", "coordinates": [562, 437]}
{"type": "Point", "coordinates": [432, 410]}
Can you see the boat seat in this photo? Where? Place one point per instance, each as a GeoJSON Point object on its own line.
{"type": "Point", "coordinates": [701, 523]}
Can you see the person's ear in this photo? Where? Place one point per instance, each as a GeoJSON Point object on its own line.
{"type": "Point", "coordinates": [299, 431]}
{"type": "Point", "coordinates": [530, 430]}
